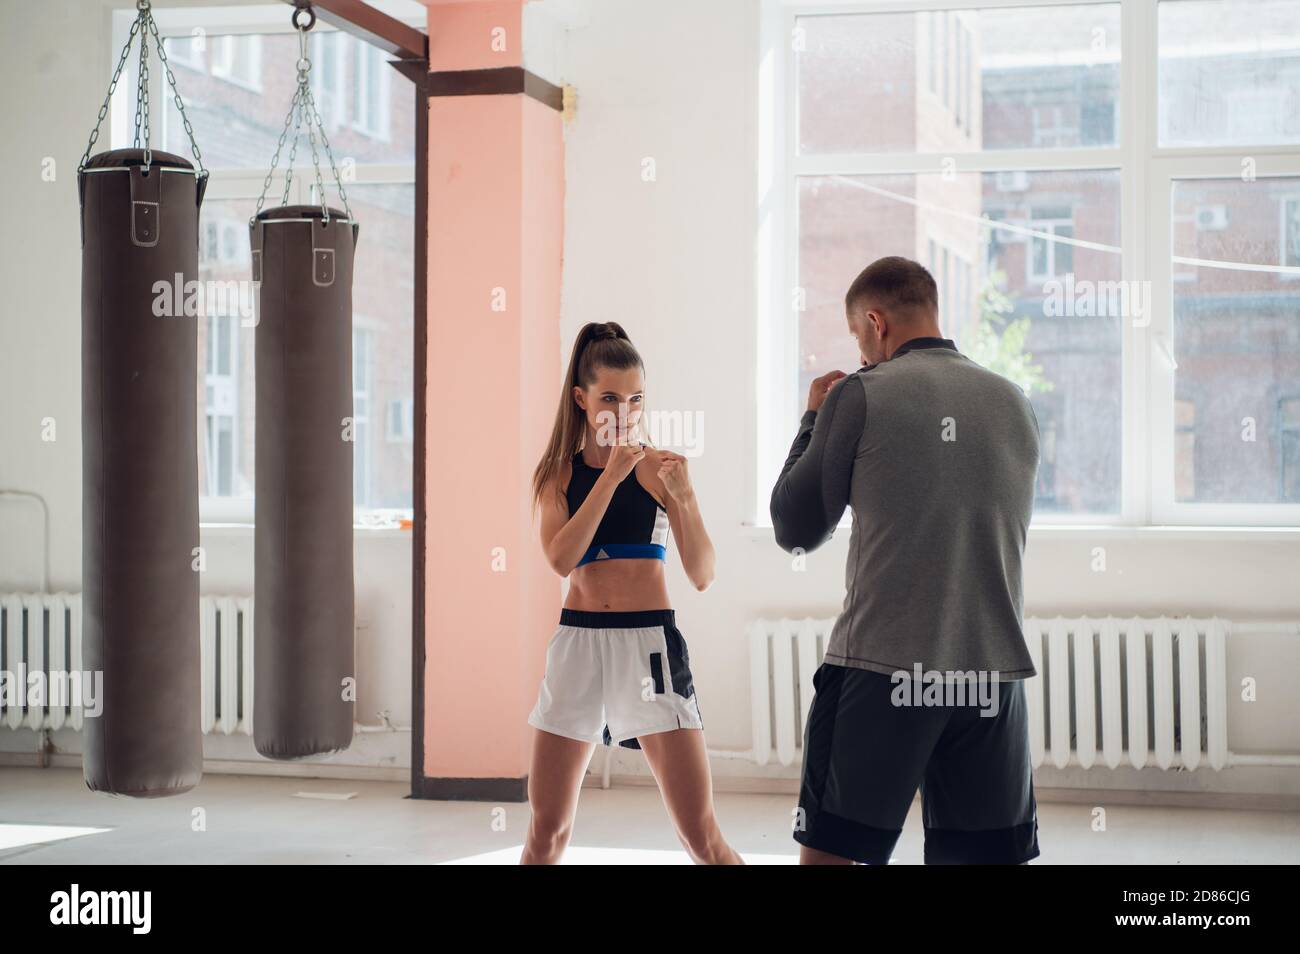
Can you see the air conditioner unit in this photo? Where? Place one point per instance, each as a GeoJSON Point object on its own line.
{"type": "Point", "coordinates": [1016, 180]}
{"type": "Point", "coordinates": [1211, 218]}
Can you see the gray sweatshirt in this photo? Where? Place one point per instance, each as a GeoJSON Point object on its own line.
{"type": "Point", "coordinates": [937, 457]}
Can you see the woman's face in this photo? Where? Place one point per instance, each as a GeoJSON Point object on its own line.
{"type": "Point", "coordinates": [613, 404]}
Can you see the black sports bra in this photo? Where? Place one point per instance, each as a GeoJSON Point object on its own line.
{"type": "Point", "coordinates": [634, 525]}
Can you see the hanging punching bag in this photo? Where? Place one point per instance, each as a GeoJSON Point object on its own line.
{"type": "Point", "coordinates": [140, 516]}
{"type": "Point", "coordinates": [304, 690]}
{"type": "Point", "coordinates": [139, 401]}
{"type": "Point", "coordinates": [303, 605]}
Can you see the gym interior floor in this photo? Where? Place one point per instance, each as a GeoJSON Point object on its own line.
{"type": "Point", "coordinates": [47, 816]}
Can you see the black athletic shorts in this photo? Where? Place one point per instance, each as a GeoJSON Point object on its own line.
{"type": "Point", "coordinates": [865, 755]}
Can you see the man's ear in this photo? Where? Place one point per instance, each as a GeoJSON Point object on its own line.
{"type": "Point", "coordinates": [878, 323]}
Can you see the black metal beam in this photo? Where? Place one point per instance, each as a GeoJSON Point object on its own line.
{"type": "Point", "coordinates": [497, 81]}
{"type": "Point", "coordinates": [417, 71]}
{"type": "Point", "coordinates": [375, 27]}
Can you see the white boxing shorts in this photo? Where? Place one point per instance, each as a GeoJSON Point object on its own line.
{"type": "Point", "coordinates": [613, 676]}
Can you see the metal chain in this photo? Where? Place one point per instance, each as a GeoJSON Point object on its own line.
{"type": "Point", "coordinates": [303, 110]}
{"type": "Point", "coordinates": [306, 108]}
{"type": "Point", "coordinates": [139, 99]}
{"type": "Point", "coordinates": [112, 88]}
{"type": "Point", "coordinates": [293, 155]}
{"type": "Point", "coordinates": [142, 104]}
{"type": "Point", "coordinates": [275, 160]}
{"type": "Point", "coordinates": [315, 160]}
{"type": "Point", "coordinates": [143, 26]}
{"type": "Point", "coordinates": [180, 105]}
{"type": "Point", "coordinates": [329, 154]}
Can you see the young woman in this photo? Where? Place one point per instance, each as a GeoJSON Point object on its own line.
{"type": "Point", "coordinates": [617, 670]}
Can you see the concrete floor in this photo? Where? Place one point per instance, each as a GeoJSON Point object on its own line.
{"type": "Point", "coordinates": [48, 816]}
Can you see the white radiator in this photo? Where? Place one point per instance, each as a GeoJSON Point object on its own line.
{"type": "Point", "coordinates": [26, 620]}
{"type": "Point", "coordinates": [1115, 691]}
{"type": "Point", "coordinates": [43, 630]}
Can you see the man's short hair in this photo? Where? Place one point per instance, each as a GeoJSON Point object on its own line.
{"type": "Point", "coordinates": [895, 284]}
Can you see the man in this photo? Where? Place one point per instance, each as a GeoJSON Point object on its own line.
{"type": "Point", "coordinates": [937, 458]}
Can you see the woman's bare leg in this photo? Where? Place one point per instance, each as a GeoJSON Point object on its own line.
{"type": "Point", "coordinates": [680, 764]}
{"type": "Point", "coordinates": [554, 780]}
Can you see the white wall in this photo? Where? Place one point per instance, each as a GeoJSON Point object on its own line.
{"type": "Point", "coordinates": [55, 64]}
{"type": "Point", "coordinates": [675, 261]}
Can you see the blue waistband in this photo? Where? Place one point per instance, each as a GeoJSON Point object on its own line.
{"type": "Point", "coordinates": [624, 551]}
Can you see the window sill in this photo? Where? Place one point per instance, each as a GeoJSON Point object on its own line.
{"type": "Point", "coordinates": [250, 86]}
{"type": "Point", "coordinates": [1121, 532]}
{"type": "Point", "coordinates": [246, 529]}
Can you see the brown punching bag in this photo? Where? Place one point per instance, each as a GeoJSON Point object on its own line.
{"type": "Point", "coordinates": [303, 591]}
{"type": "Point", "coordinates": [140, 516]}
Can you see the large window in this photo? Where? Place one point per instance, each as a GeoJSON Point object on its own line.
{"type": "Point", "coordinates": [237, 74]}
{"type": "Point", "coordinates": [1108, 196]}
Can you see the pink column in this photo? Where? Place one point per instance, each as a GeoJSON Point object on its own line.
{"type": "Point", "coordinates": [495, 213]}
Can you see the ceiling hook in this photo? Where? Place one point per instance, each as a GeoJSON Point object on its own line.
{"type": "Point", "coordinates": [298, 11]}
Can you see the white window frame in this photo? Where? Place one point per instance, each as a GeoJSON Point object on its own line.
{"type": "Point", "coordinates": [945, 65]}
{"type": "Point", "coordinates": [376, 127]}
{"type": "Point", "coordinates": [234, 183]}
{"type": "Point", "coordinates": [209, 374]}
{"type": "Point", "coordinates": [1146, 173]}
{"type": "Point", "coordinates": [221, 52]}
{"type": "Point", "coordinates": [1059, 130]}
{"type": "Point", "coordinates": [332, 101]}
{"type": "Point", "coordinates": [1048, 226]}
{"type": "Point", "coordinates": [968, 41]}
{"type": "Point", "coordinates": [363, 415]}
{"type": "Point", "coordinates": [184, 54]}
{"type": "Point", "coordinates": [226, 228]}
{"type": "Point", "coordinates": [404, 433]}
{"type": "Point", "coordinates": [1287, 200]}
{"type": "Point", "coordinates": [932, 67]}
{"type": "Point", "coordinates": [959, 75]}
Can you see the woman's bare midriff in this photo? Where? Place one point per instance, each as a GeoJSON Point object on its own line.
{"type": "Point", "coordinates": [618, 586]}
